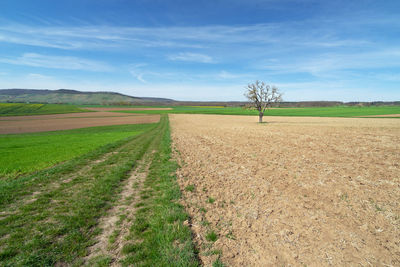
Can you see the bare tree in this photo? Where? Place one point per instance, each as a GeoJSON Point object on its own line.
{"type": "Point", "coordinates": [262, 96]}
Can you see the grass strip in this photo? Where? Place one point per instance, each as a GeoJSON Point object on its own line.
{"type": "Point", "coordinates": [60, 223]}
{"type": "Point", "coordinates": [158, 236]}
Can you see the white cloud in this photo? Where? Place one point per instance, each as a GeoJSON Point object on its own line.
{"type": "Point", "coordinates": [328, 64]}
{"type": "Point", "coordinates": [191, 57]}
{"type": "Point", "coordinates": [138, 76]}
{"type": "Point", "coordinates": [101, 37]}
{"type": "Point", "coordinates": [38, 76]}
{"type": "Point", "coordinates": [58, 62]}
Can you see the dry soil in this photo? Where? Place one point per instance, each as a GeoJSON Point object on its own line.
{"type": "Point", "coordinates": [42, 123]}
{"type": "Point", "coordinates": [293, 191]}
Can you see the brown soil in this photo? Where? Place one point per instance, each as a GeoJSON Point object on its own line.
{"type": "Point", "coordinates": [293, 191]}
{"type": "Point", "coordinates": [121, 109]}
{"type": "Point", "coordinates": [24, 124]}
{"type": "Point", "coordinates": [67, 115]}
{"type": "Point", "coordinates": [384, 116]}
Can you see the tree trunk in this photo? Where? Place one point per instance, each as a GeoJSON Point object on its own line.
{"type": "Point", "coordinates": [260, 116]}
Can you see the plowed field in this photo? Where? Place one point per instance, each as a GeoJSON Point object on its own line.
{"type": "Point", "coordinates": [293, 191]}
{"type": "Point", "coordinates": [42, 123]}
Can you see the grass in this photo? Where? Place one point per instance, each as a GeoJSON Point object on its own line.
{"type": "Point", "coordinates": [210, 200]}
{"type": "Point", "coordinates": [158, 236]}
{"type": "Point", "coordinates": [51, 217]}
{"type": "Point", "coordinates": [19, 109]}
{"type": "Point", "coordinates": [25, 153]}
{"type": "Point", "coordinates": [218, 263]}
{"type": "Point", "coordinates": [211, 236]}
{"type": "Point", "coordinates": [339, 111]}
{"type": "Point", "coordinates": [59, 223]}
{"type": "Point", "coordinates": [189, 188]}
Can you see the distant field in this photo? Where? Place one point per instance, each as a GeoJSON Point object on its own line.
{"type": "Point", "coordinates": [25, 153]}
{"type": "Point", "coordinates": [339, 111]}
{"type": "Point", "coordinates": [16, 109]}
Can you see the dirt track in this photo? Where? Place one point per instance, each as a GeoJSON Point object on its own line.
{"type": "Point", "coordinates": [42, 123]}
{"type": "Point", "coordinates": [294, 191]}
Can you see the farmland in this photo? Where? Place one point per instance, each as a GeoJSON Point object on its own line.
{"type": "Point", "coordinates": [339, 111]}
{"type": "Point", "coordinates": [110, 187]}
{"type": "Point", "coordinates": [20, 109]}
{"type": "Point", "coordinates": [56, 216]}
{"type": "Point", "coordinates": [294, 191]}
{"type": "Point", "coordinates": [24, 153]}
{"type": "Point", "coordinates": [24, 124]}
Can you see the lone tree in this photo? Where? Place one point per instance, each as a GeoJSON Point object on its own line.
{"type": "Point", "coordinates": [262, 96]}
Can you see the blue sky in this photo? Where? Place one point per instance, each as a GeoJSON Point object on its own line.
{"type": "Point", "coordinates": [204, 50]}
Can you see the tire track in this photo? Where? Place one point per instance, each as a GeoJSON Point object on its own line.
{"type": "Point", "coordinates": [115, 226]}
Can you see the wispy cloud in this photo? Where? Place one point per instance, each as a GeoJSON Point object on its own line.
{"type": "Point", "coordinates": [101, 37]}
{"type": "Point", "coordinates": [38, 76]}
{"type": "Point", "coordinates": [58, 62]}
{"type": "Point", "coordinates": [329, 63]}
{"type": "Point", "coordinates": [191, 57]}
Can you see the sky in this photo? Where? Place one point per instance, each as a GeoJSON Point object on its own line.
{"type": "Point", "coordinates": [201, 50]}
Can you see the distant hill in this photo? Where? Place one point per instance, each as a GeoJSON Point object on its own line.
{"type": "Point", "coordinates": [68, 96]}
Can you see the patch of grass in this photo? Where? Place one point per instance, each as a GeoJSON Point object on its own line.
{"type": "Point", "coordinates": [100, 261]}
{"type": "Point", "coordinates": [114, 236]}
{"type": "Point", "coordinates": [159, 233]}
{"type": "Point", "coordinates": [211, 236]}
{"type": "Point", "coordinates": [213, 252]}
{"type": "Point", "coordinates": [189, 188]}
{"type": "Point", "coordinates": [26, 153]}
{"type": "Point", "coordinates": [205, 223]}
{"type": "Point", "coordinates": [218, 263]}
{"type": "Point", "coordinates": [210, 200]}
{"type": "Point", "coordinates": [22, 109]}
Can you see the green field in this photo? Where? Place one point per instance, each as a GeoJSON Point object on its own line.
{"type": "Point", "coordinates": [19, 109]}
{"type": "Point", "coordinates": [340, 111]}
{"type": "Point", "coordinates": [51, 217]}
{"type": "Point", "coordinates": [24, 153]}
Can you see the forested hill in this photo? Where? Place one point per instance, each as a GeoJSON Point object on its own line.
{"type": "Point", "coordinates": [67, 96]}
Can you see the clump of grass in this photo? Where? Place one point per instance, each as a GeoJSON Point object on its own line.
{"type": "Point", "coordinates": [218, 263]}
{"type": "Point", "coordinates": [189, 188]}
{"type": "Point", "coordinates": [213, 252]}
{"type": "Point", "coordinates": [114, 236]}
{"type": "Point", "coordinates": [210, 200]}
{"type": "Point", "coordinates": [205, 223]}
{"type": "Point", "coordinates": [211, 236]}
